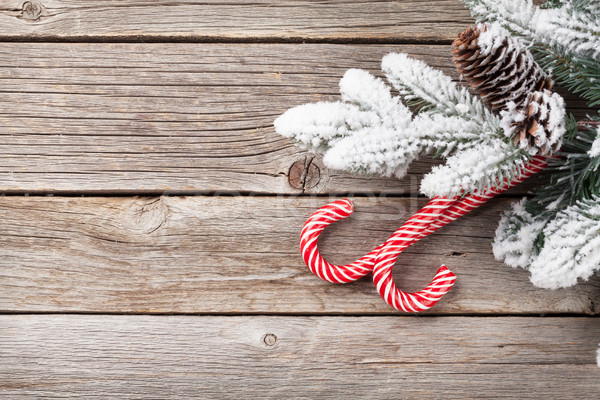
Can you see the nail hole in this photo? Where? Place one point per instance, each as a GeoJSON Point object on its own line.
{"type": "Point", "coordinates": [270, 339]}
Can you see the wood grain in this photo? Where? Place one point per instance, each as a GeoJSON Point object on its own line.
{"type": "Point", "coordinates": [178, 118]}
{"type": "Point", "coordinates": [234, 20]}
{"type": "Point", "coordinates": [240, 255]}
{"type": "Point", "coordinates": [89, 356]}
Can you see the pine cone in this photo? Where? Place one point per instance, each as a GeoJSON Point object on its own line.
{"type": "Point", "coordinates": [497, 67]}
{"type": "Point", "coordinates": [539, 125]}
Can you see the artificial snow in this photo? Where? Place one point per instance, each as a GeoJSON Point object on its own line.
{"type": "Point", "coordinates": [462, 108]}
{"type": "Point", "coordinates": [571, 247]}
{"type": "Point", "coordinates": [595, 149]}
{"type": "Point", "coordinates": [492, 37]}
{"type": "Point", "coordinates": [516, 234]}
{"type": "Point", "coordinates": [569, 28]}
{"type": "Point", "coordinates": [371, 131]}
{"type": "Point", "coordinates": [476, 168]}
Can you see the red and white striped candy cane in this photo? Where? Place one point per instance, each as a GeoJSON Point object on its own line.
{"type": "Point", "coordinates": [336, 211]}
{"type": "Point", "coordinates": [413, 231]}
{"type": "Point", "coordinates": [309, 237]}
{"type": "Point", "coordinates": [436, 214]}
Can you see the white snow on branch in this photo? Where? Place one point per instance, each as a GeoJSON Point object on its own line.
{"type": "Point", "coordinates": [370, 104]}
{"type": "Point", "coordinates": [595, 149]}
{"type": "Point", "coordinates": [571, 28]}
{"type": "Point", "coordinates": [372, 94]}
{"type": "Point", "coordinates": [317, 124]}
{"type": "Point", "coordinates": [475, 168]}
{"type": "Point", "coordinates": [387, 151]}
{"type": "Point", "coordinates": [416, 80]}
{"type": "Point", "coordinates": [571, 248]}
{"type": "Point", "coordinates": [516, 234]}
{"type": "Point", "coordinates": [373, 151]}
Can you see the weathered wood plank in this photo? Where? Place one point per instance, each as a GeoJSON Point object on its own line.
{"type": "Point", "coordinates": [174, 117]}
{"type": "Point", "coordinates": [88, 356]}
{"type": "Point", "coordinates": [240, 255]}
{"type": "Point", "coordinates": [290, 20]}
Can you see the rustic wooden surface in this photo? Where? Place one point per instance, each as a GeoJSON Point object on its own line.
{"type": "Point", "coordinates": [149, 217]}
{"type": "Point", "coordinates": [94, 356]}
{"type": "Point", "coordinates": [239, 20]}
{"type": "Point", "coordinates": [177, 118]}
{"type": "Point", "coordinates": [240, 255]}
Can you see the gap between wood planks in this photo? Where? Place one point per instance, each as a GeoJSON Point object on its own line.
{"type": "Point", "coordinates": [392, 313]}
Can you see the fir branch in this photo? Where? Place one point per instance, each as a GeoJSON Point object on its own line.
{"type": "Point", "coordinates": [433, 91]}
{"type": "Point", "coordinates": [579, 75]}
{"type": "Point", "coordinates": [373, 151]}
{"type": "Point", "coordinates": [573, 175]}
{"type": "Point", "coordinates": [369, 105]}
{"type": "Point", "coordinates": [528, 235]}
{"type": "Point", "coordinates": [387, 152]}
{"type": "Point", "coordinates": [557, 250]}
{"type": "Point", "coordinates": [517, 238]}
{"type": "Point", "coordinates": [571, 248]}
{"type": "Point", "coordinates": [575, 29]}
{"type": "Point", "coordinates": [590, 6]}
{"type": "Point", "coordinates": [565, 40]}
{"type": "Point", "coordinates": [475, 169]}
{"type": "Point", "coordinates": [372, 132]}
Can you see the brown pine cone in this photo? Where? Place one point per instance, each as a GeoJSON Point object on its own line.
{"type": "Point", "coordinates": [539, 125]}
{"type": "Point", "coordinates": [499, 69]}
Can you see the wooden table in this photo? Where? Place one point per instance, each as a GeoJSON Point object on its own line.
{"type": "Point", "coordinates": [150, 217]}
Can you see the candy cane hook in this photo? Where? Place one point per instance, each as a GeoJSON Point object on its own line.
{"type": "Point", "coordinates": [416, 228]}
{"type": "Point", "coordinates": [309, 237]}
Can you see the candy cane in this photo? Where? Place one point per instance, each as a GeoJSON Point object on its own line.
{"type": "Point", "coordinates": [436, 214]}
{"type": "Point", "coordinates": [309, 237]}
{"type": "Point", "coordinates": [444, 278]}
{"type": "Point", "coordinates": [412, 231]}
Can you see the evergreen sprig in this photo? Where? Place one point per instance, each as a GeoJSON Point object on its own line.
{"type": "Point", "coordinates": [572, 175]}
{"type": "Point", "coordinates": [373, 132]}
{"type": "Point", "coordinates": [564, 39]}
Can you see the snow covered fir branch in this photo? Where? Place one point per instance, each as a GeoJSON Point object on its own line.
{"type": "Point", "coordinates": [564, 37]}
{"type": "Point", "coordinates": [373, 132]}
{"type": "Point", "coordinates": [486, 129]}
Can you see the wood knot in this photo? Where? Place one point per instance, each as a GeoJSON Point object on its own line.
{"type": "Point", "coordinates": [147, 217]}
{"type": "Point", "coordinates": [270, 339]}
{"type": "Point", "coordinates": [32, 10]}
{"type": "Point", "coordinates": [304, 174]}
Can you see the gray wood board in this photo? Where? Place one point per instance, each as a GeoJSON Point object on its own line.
{"type": "Point", "coordinates": [207, 254]}
{"type": "Point", "coordinates": [281, 20]}
{"type": "Point", "coordinates": [154, 118]}
{"type": "Point", "coordinates": [95, 356]}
